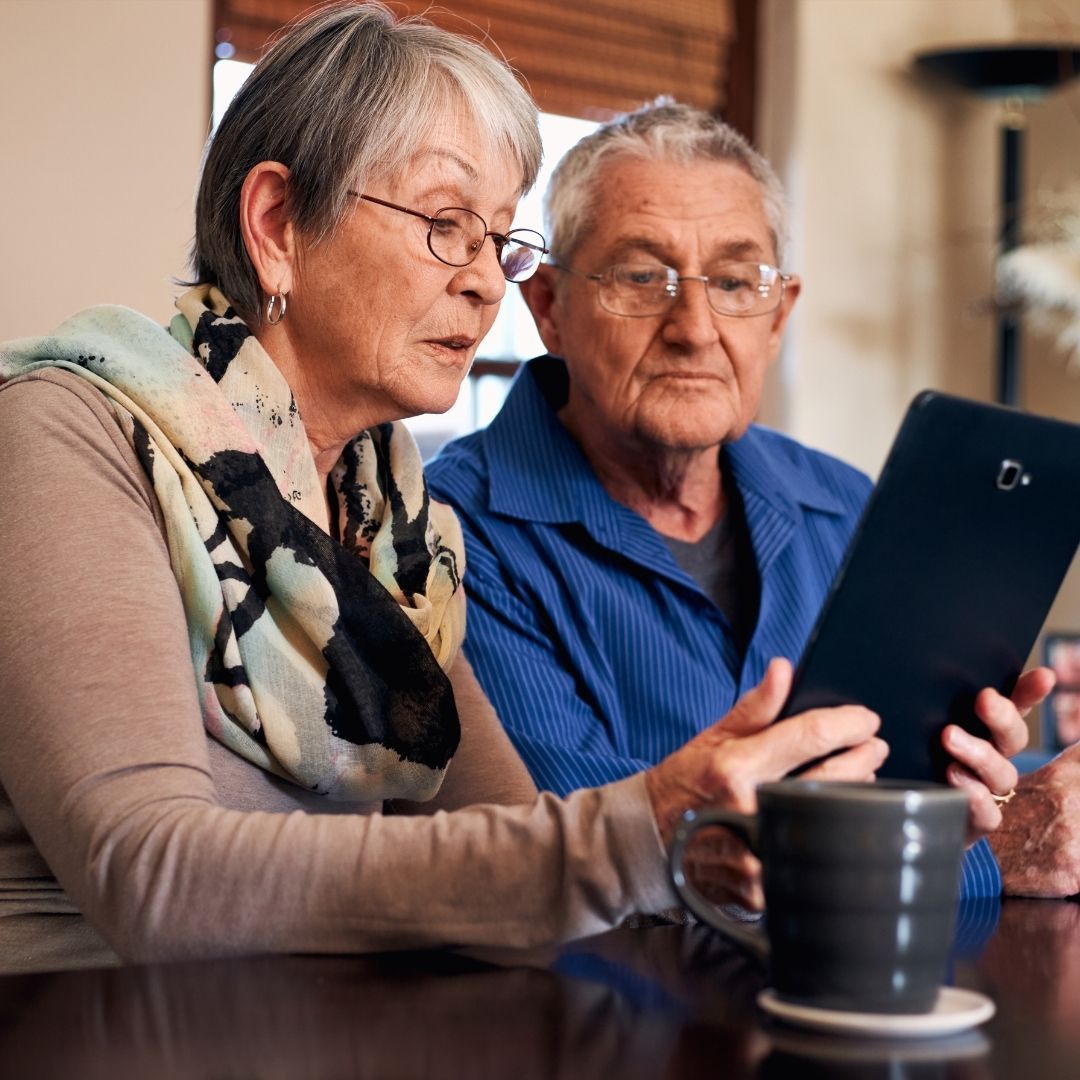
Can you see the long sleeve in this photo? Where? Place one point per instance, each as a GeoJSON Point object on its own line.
{"type": "Point", "coordinates": [979, 872]}
{"type": "Point", "coordinates": [104, 758]}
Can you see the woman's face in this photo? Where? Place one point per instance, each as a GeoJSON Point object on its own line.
{"type": "Point", "coordinates": [379, 328]}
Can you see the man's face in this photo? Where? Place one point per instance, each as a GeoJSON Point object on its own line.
{"type": "Point", "coordinates": [687, 379]}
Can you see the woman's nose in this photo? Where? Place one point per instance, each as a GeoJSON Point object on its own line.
{"type": "Point", "coordinates": [483, 277]}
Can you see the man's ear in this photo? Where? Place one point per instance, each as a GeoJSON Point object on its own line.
{"type": "Point", "coordinates": [780, 316]}
{"type": "Point", "coordinates": [269, 235]}
{"type": "Point", "coordinates": [539, 294]}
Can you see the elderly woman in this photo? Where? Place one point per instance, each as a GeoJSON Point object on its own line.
{"type": "Point", "coordinates": [236, 717]}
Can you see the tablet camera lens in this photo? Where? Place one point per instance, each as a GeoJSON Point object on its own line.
{"type": "Point", "coordinates": [1009, 474]}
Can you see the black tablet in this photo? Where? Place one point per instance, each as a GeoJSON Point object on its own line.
{"type": "Point", "coordinates": [950, 574]}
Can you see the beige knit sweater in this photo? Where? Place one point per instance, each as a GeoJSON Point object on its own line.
{"type": "Point", "coordinates": [125, 832]}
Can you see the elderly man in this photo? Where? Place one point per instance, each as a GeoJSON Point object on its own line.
{"type": "Point", "coordinates": [638, 550]}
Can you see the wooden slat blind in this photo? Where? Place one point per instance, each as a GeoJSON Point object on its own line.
{"type": "Point", "coordinates": [578, 57]}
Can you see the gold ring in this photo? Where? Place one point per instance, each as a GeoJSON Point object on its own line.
{"type": "Point", "coordinates": [1001, 800]}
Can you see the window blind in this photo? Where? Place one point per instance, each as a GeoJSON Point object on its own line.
{"type": "Point", "coordinates": [586, 58]}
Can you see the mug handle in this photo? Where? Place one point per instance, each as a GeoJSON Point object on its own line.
{"type": "Point", "coordinates": [744, 826]}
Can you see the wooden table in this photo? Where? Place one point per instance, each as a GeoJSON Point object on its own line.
{"type": "Point", "coordinates": [667, 1001]}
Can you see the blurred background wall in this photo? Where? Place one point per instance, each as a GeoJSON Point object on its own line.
{"type": "Point", "coordinates": [894, 187]}
{"type": "Point", "coordinates": [105, 104]}
{"type": "Point", "coordinates": [104, 108]}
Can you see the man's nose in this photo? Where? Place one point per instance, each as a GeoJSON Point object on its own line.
{"type": "Point", "coordinates": [690, 321]}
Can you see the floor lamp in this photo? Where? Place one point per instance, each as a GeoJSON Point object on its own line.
{"type": "Point", "coordinates": [1018, 75]}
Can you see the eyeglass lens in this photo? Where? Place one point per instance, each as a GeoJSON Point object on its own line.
{"type": "Point", "coordinates": [457, 235]}
{"type": "Point", "coordinates": [742, 289]}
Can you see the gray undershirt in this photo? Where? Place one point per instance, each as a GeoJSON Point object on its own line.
{"type": "Point", "coordinates": [723, 566]}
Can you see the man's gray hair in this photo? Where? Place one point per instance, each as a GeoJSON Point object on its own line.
{"type": "Point", "coordinates": [663, 131]}
{"type": "Point", "coordinates": [343, 96]}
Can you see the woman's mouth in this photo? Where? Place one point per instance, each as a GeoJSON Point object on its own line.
{"type": "Point", "coordinates": [453, 351]}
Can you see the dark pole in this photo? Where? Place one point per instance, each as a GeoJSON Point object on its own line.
{"type": "Point", "coordinates": [1008, 350]}
{"type": "Point", "coordinates": [1019, 73]}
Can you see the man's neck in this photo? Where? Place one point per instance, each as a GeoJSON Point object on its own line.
{"type": "Point", "coordinates": [680, 493]}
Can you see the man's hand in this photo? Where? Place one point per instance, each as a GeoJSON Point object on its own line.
{"type": "Point", "coordinates": [1037, 845]}
{"type": "Point", "coordinates": [724, 764]}
{"type": "Point", "coordinates": [981, 766]}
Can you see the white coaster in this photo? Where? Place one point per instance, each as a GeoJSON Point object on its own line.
{"type": "Point", "coordinates": [955, 1010]}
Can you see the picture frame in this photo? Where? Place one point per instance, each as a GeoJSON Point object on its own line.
{"type": "Point", "coordinates": [1061, 709]}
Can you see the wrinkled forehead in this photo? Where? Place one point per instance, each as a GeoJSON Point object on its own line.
{"type": "Point", "coordinates": [453, 143]}
{"type": "Point", "coordinates": [700, 209]}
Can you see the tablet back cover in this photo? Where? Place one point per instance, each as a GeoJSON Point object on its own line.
{"type": "Point", "coordinates": [948, 579]}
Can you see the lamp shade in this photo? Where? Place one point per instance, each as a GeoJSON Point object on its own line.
{"type": "Point", "coordinates": [1025, 71]}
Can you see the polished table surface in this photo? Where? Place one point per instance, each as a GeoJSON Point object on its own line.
{"type": "Point", "coordinates": [664, 1001]}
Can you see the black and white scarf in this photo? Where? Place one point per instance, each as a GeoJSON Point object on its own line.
{"type": "Point", "coordinates": [322, 660]}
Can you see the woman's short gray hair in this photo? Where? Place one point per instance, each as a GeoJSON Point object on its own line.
{"type": "Point", "coordinates": [342, 96]}
{"type": "Point", "coordinates": [664, 131]}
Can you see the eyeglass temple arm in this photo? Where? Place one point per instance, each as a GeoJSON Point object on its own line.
{"type": "Point", "coordinates": [391, 206]}
{"type": "Point", "coordinates": [571, 270]}
{"type": "Point", "coordinates": [507, 237]}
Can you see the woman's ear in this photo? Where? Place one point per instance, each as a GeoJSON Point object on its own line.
{"type": "Point", "coordinates": [269, 235]}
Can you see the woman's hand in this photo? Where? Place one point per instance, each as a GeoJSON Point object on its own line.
{"type": "Point", "coordinates": [981, 766]}
{"type": "Point", "coordinates": [724, 764]}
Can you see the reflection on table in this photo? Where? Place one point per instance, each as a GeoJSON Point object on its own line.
{"type": "Point", "coordinates": [667, 1001]}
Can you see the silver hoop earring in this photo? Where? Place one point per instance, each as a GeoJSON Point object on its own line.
{"type": "Point", "coordinates": [275, 308]}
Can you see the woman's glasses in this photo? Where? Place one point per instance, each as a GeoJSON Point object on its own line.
{"type": "Point", "coordinates": [456, 235]}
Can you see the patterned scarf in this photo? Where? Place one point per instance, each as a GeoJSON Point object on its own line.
{"type": "Point", "coordinates": [321, 660]}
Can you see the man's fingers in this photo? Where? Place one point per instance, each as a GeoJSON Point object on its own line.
{"type": "Point", "coordinates": [981, 767]}
{"type": "Point", "coordinates": [981, 759]}
{"type": "Point", "coordinates": [1008, 729]}
{"type": "Point", "coordinates": [723, 765]}
{"type": "Point", "coordinates": [984, 815]}
{"type": "Point", "coordinates": [723, 886]}
{"type": "Point", "coordinates": [735, 766]}
{"type": "Point", "coordinates": [723, 869]}
{"type": "Point", "coordinates": [803, 739]}
{"type": "Point", "coordinates": [800, 740]}
{"type": "Point", "coordinates": [1032, 687]}
{"type": "Point", "coordinates": [860, 763]}
{"type": "Point", "coordinates": [759, 707]}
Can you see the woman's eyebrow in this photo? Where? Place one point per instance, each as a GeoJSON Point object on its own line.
{"type": "Point", "coordinates": [453, 187]}
{"type": "Point", "coordinates": [448, 155]}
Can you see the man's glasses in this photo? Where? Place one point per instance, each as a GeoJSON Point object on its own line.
{"type": "Point", "coordinates": [737, 288]}
{"type": "Point", "coordinates": [456, 235]}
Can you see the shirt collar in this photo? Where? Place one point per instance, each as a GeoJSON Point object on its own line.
{"type": "Point", "coordinates": [778, 470]}
{"type": "Point", "coordinates": [537, 472]}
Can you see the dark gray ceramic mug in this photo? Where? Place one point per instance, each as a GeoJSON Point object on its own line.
{"type": "Point", "coordinates": [860, 889]}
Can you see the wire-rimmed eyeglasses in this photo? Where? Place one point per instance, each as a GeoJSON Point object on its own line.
{"type": "Point", "coordinates": [742, 289]}
{"type": "Point", "coordinates": [456, 235]}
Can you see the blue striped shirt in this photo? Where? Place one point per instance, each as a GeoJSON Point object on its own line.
{"type": "Point", "coordinates": [600, 655]}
